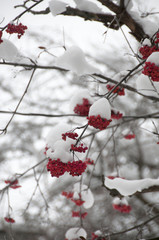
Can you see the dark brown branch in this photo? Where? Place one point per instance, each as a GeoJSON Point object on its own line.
{"type": "Point", "coordinates": [130, 118]}
{"type": "Point", "coordinates": [107, 19]}
{"type": "Point", "coordinates": [32, 66]}
{"type": "Point", "coordinates": [124, 18]}
{"type": "Point", "coordinates": [43, 12]}
{"type": "Point", "coordinates": [41, 114]}
{"type": "Point", "coordinates": [112, 6]}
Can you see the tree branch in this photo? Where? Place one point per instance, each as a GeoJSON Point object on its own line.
{"type": "Point", "coordinates": [41, 114]}
{"type": "Point", "coordinates": [32, 66]}
{"type": "Point", "coordinates": [135, 227]}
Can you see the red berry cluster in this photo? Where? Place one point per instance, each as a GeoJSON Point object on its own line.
{"type": "Point", "coordinates": [78, 202]}
{"type": "Point", "coordinates": [151, 70]}
{"type": "Point", "coordinates": [122, 208]}
{"type": "Point", "coordinates": [69, 195]}
{"type": "Point", "coordinates": [13, 184]}
{"type": "Point", "coordinates": [97, 237]}
{"type": "Point", "coordinates": [88, 161]}
{"type": "Point", "coordinates": [79, 148]}
{"type": "Point", "coordinates": [1, 37]}
{"type": "Point", "coordinates": [78, 214]}
{"type": "Point", "coordinates": [9, 220]}
{"type": "Point", "coordinates": [69, 135]}
{"type": "Point", "coordinates": [116, 115]}
{"type": "Point", "coordinates": [57, 168]}
{"type": "Point", "coordinates": [83, 109]}
{"type": "Point", "coordinates": [120, 91]}
{"type": "Point", "coordinates": [113, 177]}
{"type": "Point", "coordinates": [146, 51]}
{"type": "Point", "coordinates": [20, 29]}
{"type": "Point", "coordinates": [98, 122]}
{"type": "Point", "coordinates": [76, 168]}
{"type": "Point", "coordinates": [129, 136]}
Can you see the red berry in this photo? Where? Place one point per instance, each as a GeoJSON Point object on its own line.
{"type": "Point", "coordinates": [116, 115]}
{"type": "Point", "coordinates": [129, 136]}
{"type": "Point", "coordinates": [79, 148]}
{"type": "Point", "coordinates": [9, 220]}
{"type": "Point", "coordinates": [69, 135]}
{"type": "Point", "coordinates": [122, 208]}
{"type": "Point", "coordinates": [119, 90]}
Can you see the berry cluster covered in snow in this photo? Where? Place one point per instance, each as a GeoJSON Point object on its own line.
{"type": "Point", "coordinates": [100, 114]}
{"type": "Point", "coordinates": [80, 102]}
{"type": "Point", "coordinates": [61, 144]}
{"type": "Point", "coordinates": [150, 52]}
{"type": "Point", "coordinates": [148, 47]}
{"type": "Point", "coordinates": [83, 109]}
{"type": "Point", "coordinates": [121, 205]}
{"type": "Point", "coordinates": [116, 114]}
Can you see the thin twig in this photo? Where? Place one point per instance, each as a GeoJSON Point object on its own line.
{"type": "Point", "coordinates": [21, 99]}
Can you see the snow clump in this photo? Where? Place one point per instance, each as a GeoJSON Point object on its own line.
{"type": "Point", "coordinates": [75, 233]}
{"type": "Point", "coordinates": [145, 86]}
{"type": "Point", "coordinates": [74, 60]}
{"type": "Point", "coordinates": [8, 51]}
{"type": "Point", "coordinates": [101, 107]}
{"type": "Point", "coordinates": [86, 195]}
{"type": "Point", "coordinates": [57, 7]}
{"type": "Point", "coordinates": [129, 187]}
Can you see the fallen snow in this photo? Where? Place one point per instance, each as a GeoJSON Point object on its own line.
{"type": "Point", "coordinates": [8, 51]}
{"type": "Point", "coordinates": [101, 107]}
{"type": "Point", "coordinates": [57, 7]}
{"type": "Point", "coordinates": [154, 58]}
{"type": "Point", "coordinates": [86, 194]}
{"type": "Point", "coordinates": [129, 187]}
{"type": "Point", "coordinates": [77, 98]}
{"type": "Point", "coordinates": [74, 60]}
{"type": "Point", "coordinates": [87, 6]}
{"type": "Point", "coordinates": [146, 86]}
{"type": "Point", "coordinates": [74, 233]}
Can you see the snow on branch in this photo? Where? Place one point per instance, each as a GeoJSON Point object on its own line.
{"type": "Point", "coordinates": [122, 187]}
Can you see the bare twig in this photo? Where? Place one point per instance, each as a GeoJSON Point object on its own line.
{"type": "Point", "coordinates": [21, 99]}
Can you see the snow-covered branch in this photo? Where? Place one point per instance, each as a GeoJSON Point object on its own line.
{"type": "Point", "coordinates": [121, 187]}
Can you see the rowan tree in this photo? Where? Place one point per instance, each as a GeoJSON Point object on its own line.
{"type": "Point", "coordinates": [79, 120]}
